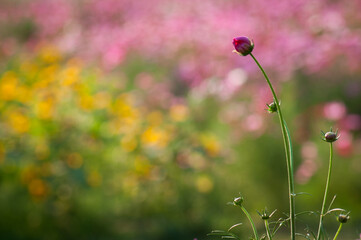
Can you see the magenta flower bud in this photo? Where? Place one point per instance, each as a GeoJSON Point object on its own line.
{"type": "Point", "coordinates": [243, 45]}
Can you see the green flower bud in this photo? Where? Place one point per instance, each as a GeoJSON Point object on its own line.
{"type": "Point", "coordinates": [265, 215]}
{"type": "Point", "coordinates": [272, 107]}
{"type": "Point", "coordinates": [238, 201]}
{"type": "Point", "coordinates": [343, 218]}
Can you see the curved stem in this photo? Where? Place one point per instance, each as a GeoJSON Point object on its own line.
{"type": "Point", "coordinates": [338, 231]}
{"type": "Point", "coordinates": [288, 150]}
{"type": "Point", "coordinates": [252, 223]}
{"type": "Point", "coordinates": [269, 235]}
{"type": "Point", "coordinates": [325, 195]}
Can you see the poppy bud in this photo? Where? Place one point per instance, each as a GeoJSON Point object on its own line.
{"type": "Point", "coordinates": [243, 45]}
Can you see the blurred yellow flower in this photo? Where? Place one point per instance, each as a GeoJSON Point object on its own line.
{"type": "Point", "coordinates": [204, 184]}
{"type": "Point", "coordinates": [156, 137]}
{"type": "Point", "coordinates": [8, 86]}
{"type": "Point", "coordinates": [122, 106]}
{"type": "Point", "coordinates": [18, 122]}
{"type": "Point", "coordinates": [179, 112]}
{"type": "Point", "coordinates": [24, 94]}
{"type": "Point", "coordinates": [46, 76]}
{"type": "Point", "coordinates": [86, 102]}
{"type": "Point", "coordinates": [155, 118]}
{"type": "Point", "coordinates": [211, 144]}
{"type": "Point", "coordinates": [70, 75]}
{"type": "Point", "coordinates": [45, 108]}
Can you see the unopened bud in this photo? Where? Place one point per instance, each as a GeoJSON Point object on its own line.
{"type": "Point", "coordinates": [343, 218]}
{"type": "Point", "coordinates": [243, 45]}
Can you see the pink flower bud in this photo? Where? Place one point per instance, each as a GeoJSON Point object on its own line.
{"type": "Point", "coordinates": [243, 45]}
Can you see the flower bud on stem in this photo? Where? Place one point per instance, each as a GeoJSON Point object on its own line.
{"type": "Point", "coordinates": [288, 150]}
{"type": "Point", "coordinates": [244, 46]}
{"type": "Point", "coordinates": [325, 194]}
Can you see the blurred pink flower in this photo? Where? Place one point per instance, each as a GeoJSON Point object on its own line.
{"type": "Point", "coordinates": [351, 122]}
{"type": "Point", "coordinates": [334, 111]}
{"type": "Point", "coordinates": [197, 32]}
{"type": "Point", "coordinates": [308, 166]}
{"type": "Point", "coordinates": [305, 171]}
{"type": "Point", "coordinates": [344, 144]}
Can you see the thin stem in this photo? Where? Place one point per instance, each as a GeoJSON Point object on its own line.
{"type": "Point", "coordinates": [269, 235]}
{"type": "Point", "coordinates": [252, 223]}
{"type": "Point", "coordinates": [288, 150]}
{"type": "Point", "coordinates": [338, 231]}
{"type": "Point", "coordinates": [325, 195]}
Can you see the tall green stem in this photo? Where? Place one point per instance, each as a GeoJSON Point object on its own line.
{"type": "Point", "coordinates": [289, 156]}
{"type": "Point", "coordinates": [252, 223]}
{"type": "Point", "coordinates": [269, 235]}
{"type": "Point", "coordinates": [338, 231]}
{"type": "Point", "coordinates": [325, 195]}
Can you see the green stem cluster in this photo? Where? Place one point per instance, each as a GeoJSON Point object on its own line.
{"type": "Point", "coordinates": [325, 195]}
{"type": "Point", "coordinates": [288, 151]}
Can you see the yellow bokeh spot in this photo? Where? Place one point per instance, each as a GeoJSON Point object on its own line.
{"type": "Point", "coordinates": [19, 122]}
{"type": "Point", "coordinates": [129, 143]}
{"type": "Point", "coordinates": [70, 75]}
{"type": "Point", "coordinates": [211, 144]}
{"type": "Point", "coordinates": [94, 179]}
{"type": "Point", "coordinates": [46, 76]}
{"type": "Point", "coordinates": [74, 160]}
{"type": "Point", "coordinates": [24, 94]}
{"type": "Point", "coordinates": [45, 108]}
{"type": "Point", "coordinates": [86, 102]}
{"type": "Point", "coordinates": [153, 136]}
{"type": "Point", "coordinates": [155, 118]}
{"type": "Point", "coordinates": [204, 184]}
{"type": "Point", "coordinates": [8, 86]}
{"type": "Point", "coordinates": [179, 113]}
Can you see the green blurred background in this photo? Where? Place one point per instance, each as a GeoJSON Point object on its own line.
{"type": "Point", "coordinates": [133, 120]}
